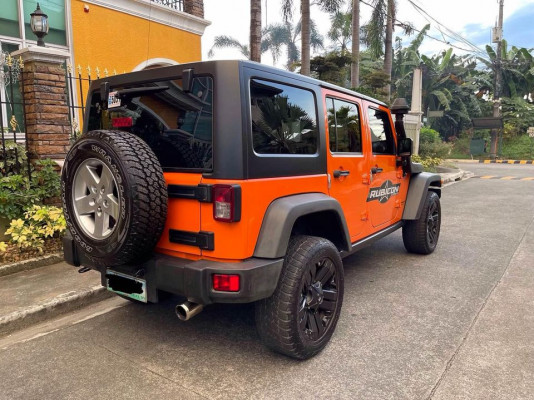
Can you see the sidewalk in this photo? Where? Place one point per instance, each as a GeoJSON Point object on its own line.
{"type": "Point", "coordinates": [29, 297]}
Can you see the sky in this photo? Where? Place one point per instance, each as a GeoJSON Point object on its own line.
{"type": "Point", "coordinates": [472, 19]}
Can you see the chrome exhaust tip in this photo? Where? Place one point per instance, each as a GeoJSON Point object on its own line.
{"type": "Point", "coordinates": [188, 310]}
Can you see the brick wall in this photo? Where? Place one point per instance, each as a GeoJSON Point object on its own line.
{"type": "Point", "coordinates": [194, 7]}
{"type": "Point", "coordinates": [47, 118]}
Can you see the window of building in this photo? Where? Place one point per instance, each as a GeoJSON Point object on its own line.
{"type": "Point", "coordinates": [55, 9]}
{"type": "Point", "coordinates": [9, 19]}
{"type": "Point", "coordinates": [10, 94]}
{"type": "Point", "coordinates": [344, 128]}
{"type": "Point", "coordinates": [381, 132]}
{"type": "Point", "coordinates": [284, 119]}
{"type": "Point", "coordinates": [11, 26]}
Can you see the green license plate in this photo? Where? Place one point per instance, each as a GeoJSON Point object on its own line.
{"type": "Point", "coordinates": [126, 285]}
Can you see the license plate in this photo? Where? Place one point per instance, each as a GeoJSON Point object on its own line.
{"type": "Point", "coordinates": [126, 285]}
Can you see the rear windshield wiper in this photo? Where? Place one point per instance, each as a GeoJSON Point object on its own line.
{"type": "Point", "coordinates": [133, 92]}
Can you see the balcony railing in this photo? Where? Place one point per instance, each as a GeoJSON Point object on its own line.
{"type": "Point", "coordinates": [174, 4]}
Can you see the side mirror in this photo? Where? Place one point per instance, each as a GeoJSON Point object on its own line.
{"type": "Point", "coordinates": [405, 147]}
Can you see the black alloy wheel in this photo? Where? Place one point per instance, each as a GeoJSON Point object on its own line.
{"type": "Point", "coordinates": [319, 297]}
{"type": "Point", "coordinates": [300, 317]}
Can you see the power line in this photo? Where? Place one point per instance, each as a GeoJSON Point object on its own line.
{"type": "Point", "coordinates": [401, 23]}
{"type": "Point", "coordinates": [450, 33]}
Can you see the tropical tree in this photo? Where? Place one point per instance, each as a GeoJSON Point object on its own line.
{"type": "Point", "coordinates": [341, 30]}
{"type": "Point", "coordinates": [287, 36]}
{"type": "Point", "coordinates": [355, 64]}
{"type": "Point", "coordinates": [255, 30]}
{"type": "Point", "coordinates": [330, 6]}
{"type": "Point", "coordinates": [517, 69]}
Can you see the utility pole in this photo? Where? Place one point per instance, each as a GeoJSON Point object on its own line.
{"type": "Point", "coordinates": [497, 37]}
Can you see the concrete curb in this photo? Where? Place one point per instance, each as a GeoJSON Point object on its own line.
{"type": "Point", "coordinates": [506, 161]}
{"type": "Point", "coordinates": [453, 176]}
{"type": "Point", "coordinates": [32, 263]}
{"type": "Point", "coordinates": [52, 308]}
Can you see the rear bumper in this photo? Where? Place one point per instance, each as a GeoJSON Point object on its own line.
{"type": "Point", "coordinates": [193, 279]}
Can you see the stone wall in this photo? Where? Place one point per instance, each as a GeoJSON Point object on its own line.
{"type": "Point", "coordinates": [194, 7]}
{"type": "Point", "coordinates": [47, 114]}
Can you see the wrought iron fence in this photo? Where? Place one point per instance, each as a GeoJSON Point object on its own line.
{"type": "Point", "coordinates": [174, 4]}
{"type": "Point", "coordinates": [78, 81]}
{"type": "Point", "coordinates": [14, 147]}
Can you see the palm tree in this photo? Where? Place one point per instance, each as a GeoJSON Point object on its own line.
{"type": "Point", "coordinates": [341, 30]}
{"type": "Point", "coordinates": [380, 40]}
{"type": "Point", "coordinates": [355, 65]}
{"type": "Point", "coordinates": [330, 6]}
{"type": "Point", "coordinates": [255, 30]}
{"type": "Point", "coordinates": [270, 41]}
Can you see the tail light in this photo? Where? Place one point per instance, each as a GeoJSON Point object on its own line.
{"type": "Point", "coordinates": [226, 283]}
{"type": "Point", "coordinates": [227, 203]}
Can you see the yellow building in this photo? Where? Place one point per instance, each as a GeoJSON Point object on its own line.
{"type": "Point", "coordinates": [107, 36]}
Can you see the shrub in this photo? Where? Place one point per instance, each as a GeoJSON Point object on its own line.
{"type": "Point", "coordinates": [431, 145]}
{"type": "Point", "coordinates": [15, 160]}
{"type": "Point", "coordinates": [40, 223]}
{"type": "Point", "coordinates": [17, 192]}
{"type": "Point", "coordinates": [518, 148]}
{"type": "Point", "coordinates": [429, 163]}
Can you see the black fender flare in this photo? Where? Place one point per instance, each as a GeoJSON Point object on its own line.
{"type": "Point", "coordinates": [281, 216]}
{"type": "Point", "coordinates": [419, 185]}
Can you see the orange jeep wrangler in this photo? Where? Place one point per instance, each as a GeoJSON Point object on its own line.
{"type": "Point", "coordinates": [232, 182]}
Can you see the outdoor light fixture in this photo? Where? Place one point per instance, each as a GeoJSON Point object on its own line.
{"type": "Point", "coordinates": [39, 25]}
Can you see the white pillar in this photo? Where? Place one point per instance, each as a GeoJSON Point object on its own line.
{"type": "Point", "coordinates": [413, 119]}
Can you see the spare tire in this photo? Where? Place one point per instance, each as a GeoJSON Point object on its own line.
{"type": "Point", "coordinates": [114, 197]}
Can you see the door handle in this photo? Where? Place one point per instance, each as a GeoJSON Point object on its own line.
{"type": "Point", "coordinates": [376, 170]}
{"type": "Point", "coordinates": [339, 172]}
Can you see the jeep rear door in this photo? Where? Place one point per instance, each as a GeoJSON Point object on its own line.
{"type": "Point", "coordinates": [346, 161]}
{"type": "Point", "coordinates": [383, 201]}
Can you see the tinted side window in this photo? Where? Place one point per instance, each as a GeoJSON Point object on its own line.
{"type": "Point", "coordinates": [176, 125]}
{"type": "Point", "coordinates": [344, 127]}
{"type": "Point", "coordinates": [381, 132]}
{"type": "Point", "coordinates": [284, 119]}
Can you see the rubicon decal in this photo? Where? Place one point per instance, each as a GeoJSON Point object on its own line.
{"type": "Point", "coordinates": [384, 192]}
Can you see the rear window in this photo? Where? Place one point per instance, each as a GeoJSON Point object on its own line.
{"type": "Point", "coordinates": [284, 119]}
{"type": "Point", "coordinates": [178, 126]}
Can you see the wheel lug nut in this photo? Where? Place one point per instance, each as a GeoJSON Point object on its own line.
{"type": "Point", "coordinates": [105, 203]}
{"type": "Point", "coordinates": [102, 190]}
{"type": "Point", "coordinates": [93, 189]}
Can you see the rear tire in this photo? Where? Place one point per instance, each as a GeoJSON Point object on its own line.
{"type": "Point", "coordinates": [421, 236]}
{"type": "Point", "coordinates": [300, 317]}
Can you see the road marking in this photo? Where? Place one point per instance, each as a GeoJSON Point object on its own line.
{"type": "Point", "coordinates": [506, 178]}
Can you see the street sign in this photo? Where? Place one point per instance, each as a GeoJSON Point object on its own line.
{"type": "Point", "coordinates": [487, 123]}
{"type": "Point", "coordinates": [435, 114]}
{"type": "Point", "coordinates": [530, 131]}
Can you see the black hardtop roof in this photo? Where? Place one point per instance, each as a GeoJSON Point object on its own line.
{"type": "Point", "coordinates": [148, 74]}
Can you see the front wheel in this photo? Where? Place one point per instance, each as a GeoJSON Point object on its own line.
{"type": "Point", "coordinates": [421, 235]}
{"type": "Point", "coordinates": [300, 317]}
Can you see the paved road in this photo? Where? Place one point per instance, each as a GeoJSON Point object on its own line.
{"type": "Point", "coordinates": [457, 324]}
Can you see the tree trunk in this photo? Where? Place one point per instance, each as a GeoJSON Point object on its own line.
{"type": "Point", "coordinates": [305, 36]}
{"type": "Point", "coordinates": [255, 30]}
{"type": "Point", "coordinates": [388, 50]}
{"type": "Point", "coordinates": [355, 65]}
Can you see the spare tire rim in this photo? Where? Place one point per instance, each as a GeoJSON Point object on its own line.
{"type": "Point", "coordinates": [318, 299]}
{"type": "Point", "coordinates": [95, 199]}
